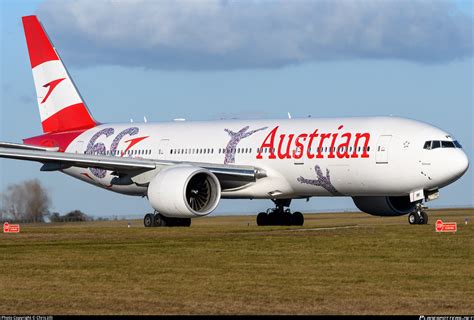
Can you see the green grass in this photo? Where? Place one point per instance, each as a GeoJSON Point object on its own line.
{"type": "Point", "coordinates": [227, 265]}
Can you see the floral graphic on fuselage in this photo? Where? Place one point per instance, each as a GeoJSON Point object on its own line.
{"type": "Point", "coordinates": [236, 137]}
{"type": "Point", "coordinates": [322, 181]}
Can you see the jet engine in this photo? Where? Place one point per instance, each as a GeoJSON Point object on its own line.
{"type": "Point", "coordinates": [385, 206]}
{"type": "Point", "coordinates": [184, 191]}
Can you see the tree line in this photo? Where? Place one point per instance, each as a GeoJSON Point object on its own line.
{"type": "Point", "coordinates": [29, 201]}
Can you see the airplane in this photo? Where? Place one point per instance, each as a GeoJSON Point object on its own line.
{"type": "Point", "coordinates": [390, 166]}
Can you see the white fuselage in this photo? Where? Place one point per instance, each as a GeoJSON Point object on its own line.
{"type": "Point", "coordinates": [302, 164]}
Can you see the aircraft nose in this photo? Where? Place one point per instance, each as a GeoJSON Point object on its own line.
{"type": "Point", "coordinates": [460, 164]}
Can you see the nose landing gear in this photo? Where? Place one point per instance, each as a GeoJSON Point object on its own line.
{"type": "Point", "coordinates": [279, 216]}
{"type": "Point", "coordinates": [419, 216]}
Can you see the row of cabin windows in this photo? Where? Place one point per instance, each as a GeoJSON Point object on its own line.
{"type": "Point", "coordinates": [322, 149]}
{"type": "Point", "coordinates": [249, 150]}
{"type": "Point", "coordinates": [139, 152]}
{"type": "Point", "coordinates": [192, 151]}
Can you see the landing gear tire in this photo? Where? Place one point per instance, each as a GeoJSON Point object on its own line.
{"type": "Point", "coordinates": [413, 218]}
{"type": "Point", "coordinates": [160, 221]}
{"type": "Point", "coordinates": [186, 222]}
{"type": "Point", "coordinates": [425, 218]}
{"type": "Point", "coordinates": [149, 220]}
{"type": "Point", "coordinates": [280, 216]}
{"type": "Point", "coordinates": [297, 219]}
{"type": "Point", "coordinates": [262, 219]}
{"type": "Point", "coordinates": [178, 222]}
{"type": "Point", "coordinates": [418, 216]}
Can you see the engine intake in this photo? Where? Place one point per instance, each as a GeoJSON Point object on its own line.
{"type": "Point", "coordinates": [184, 191]}
{"type": "Point", "coordinates": [385, 206]}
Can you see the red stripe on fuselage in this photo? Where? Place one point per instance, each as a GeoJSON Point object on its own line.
{"type": "Point", "coordinates": [40, 48]}
{"type": "Point", "coordinates": [74, 117]}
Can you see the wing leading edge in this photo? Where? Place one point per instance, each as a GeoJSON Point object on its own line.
{"type": "Point", "coordinates": [229, 176]}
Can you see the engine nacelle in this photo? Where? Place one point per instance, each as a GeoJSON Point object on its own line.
{"type": "Point", "coordinates": [184, 191]}
{"type": "Point", "coordinates": [385, 206]}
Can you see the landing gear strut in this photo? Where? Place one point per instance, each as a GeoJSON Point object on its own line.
{"type": "Point", "coordinates": [279, 216]}
{"type": "Point", "coordinates": [418, 216]}
{"type": "Point", "coordinates": [159, 220]}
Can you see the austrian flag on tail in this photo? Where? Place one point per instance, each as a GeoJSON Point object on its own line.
{"type": "Point", "coordinates": [60, 104]}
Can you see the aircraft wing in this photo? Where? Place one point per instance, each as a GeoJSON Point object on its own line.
{"type": "Point", "coordinates": [230, 176]}
{"type": "Point", "coordinates": [11, 145]}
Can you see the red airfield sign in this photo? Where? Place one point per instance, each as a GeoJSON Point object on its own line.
{"type": "Point", "coordinates": [11, 228]}
{"type": "Point", "coordinates": [446, 226]}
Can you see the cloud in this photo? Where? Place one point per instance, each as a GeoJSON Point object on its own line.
{"type": "Point", "coordinates": [26, 98]}
{"type": "Point", "coordinates": [242, 34]}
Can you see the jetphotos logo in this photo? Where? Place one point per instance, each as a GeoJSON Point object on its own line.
{"type": "Point", "coordinates": [11, 228]}
{"type": "Point", "coordinates": [446, 226]}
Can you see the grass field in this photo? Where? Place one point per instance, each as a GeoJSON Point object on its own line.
{"type": "Point", "coordinates": [338, 263]}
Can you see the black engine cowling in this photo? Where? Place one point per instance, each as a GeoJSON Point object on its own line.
{"type": "Point", "coordinates": [385, 206]}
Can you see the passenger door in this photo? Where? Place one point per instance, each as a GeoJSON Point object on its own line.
{"type": "Point", "coordinates": [381, 152]}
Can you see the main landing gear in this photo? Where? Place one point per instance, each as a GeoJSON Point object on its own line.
{"type": "Point", "coordinates": [159, 220]}
{"type": "Point", "coordinates": [418, 216]}
{"type": "Point", "coordinates": [279, 216]}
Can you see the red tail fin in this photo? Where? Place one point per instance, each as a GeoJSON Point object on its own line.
{"type": "Point", "coordinates": [60, 104]}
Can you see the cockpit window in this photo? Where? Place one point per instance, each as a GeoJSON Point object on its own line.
{"type": "Point", "coordinates": [429, 145]}
{"type": "Point", "coordinates": [447, 144]}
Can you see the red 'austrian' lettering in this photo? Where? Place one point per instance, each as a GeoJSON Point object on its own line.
{"type": "Point", "coordinates": [331, 145]}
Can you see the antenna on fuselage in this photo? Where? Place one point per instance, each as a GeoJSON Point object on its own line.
{"type": "Point", "coordinates": [289, 115]}
{"type": "Point", "coordinates": [144, 119]}
{"type": "Point", "coordinates": [131, 120]}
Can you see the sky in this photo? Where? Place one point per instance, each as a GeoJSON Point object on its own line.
{"type": "Point", "coordinates": [213, 59]}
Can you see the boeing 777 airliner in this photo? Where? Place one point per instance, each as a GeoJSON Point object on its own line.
{"type": "Point", "coordinates": [388, 165]}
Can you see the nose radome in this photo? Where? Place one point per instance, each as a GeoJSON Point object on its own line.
{"type": "Point", "coordinates": [460, 164]}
